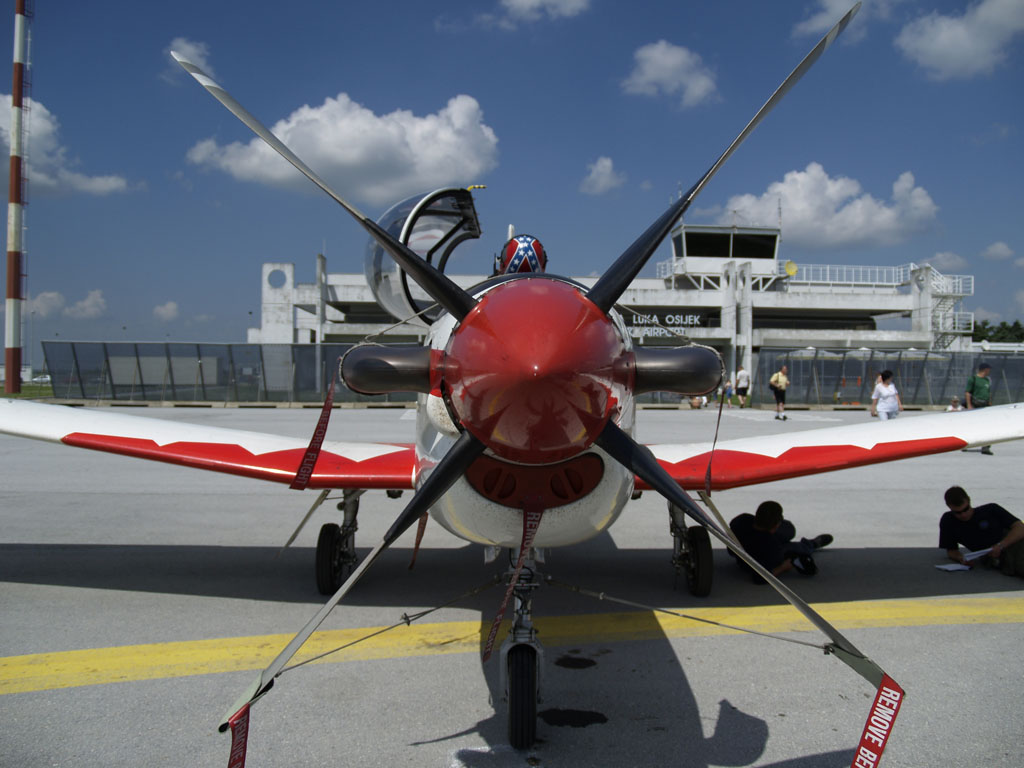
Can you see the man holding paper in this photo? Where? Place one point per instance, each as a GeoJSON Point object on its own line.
{"type": "Point", "coordinates": [987, 526]}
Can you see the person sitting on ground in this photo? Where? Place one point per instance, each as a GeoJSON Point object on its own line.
{"type": "Point", "coordinates": [768, 538]}
{"type": "Point", "coordinates": [954, 404]}
{"type": "Point", "coordinates": [982, 527]}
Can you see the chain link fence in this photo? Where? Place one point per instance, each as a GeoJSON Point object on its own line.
{"type": "Point", "coordinates": [270, 373]}
{"type": "Point", "coordinates": [180, 372]}
{"type": "Point", "coordinates": [830, 377]}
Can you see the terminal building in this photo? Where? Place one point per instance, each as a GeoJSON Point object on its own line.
{"type": "Point", "coordinates": [726, 287]}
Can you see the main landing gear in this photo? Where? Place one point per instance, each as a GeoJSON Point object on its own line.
{"type": "Point", "coordinates": [336, 547]}
{"type": "Point", "coordinates": [520, 657]}
{"type": "Point", "coordinates": [691, 552]}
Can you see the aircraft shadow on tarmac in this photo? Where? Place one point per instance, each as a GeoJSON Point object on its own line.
{"type": "Point", "coordinates": [663, 720]}
{"type": "Point", "coordinates": [642, 575]}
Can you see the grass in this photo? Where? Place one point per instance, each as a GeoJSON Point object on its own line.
{"type": "Point", "coordinates": [29, 391]}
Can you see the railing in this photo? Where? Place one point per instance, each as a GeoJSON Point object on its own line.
{"type": "Point", "coordinates": [952, 285]}
{"type": "Point", "coordinates": [847, 275]}
{"type": "Point", "coordinates": [853, 276]}
{"type": "Point", "coordinates": [954, 322]}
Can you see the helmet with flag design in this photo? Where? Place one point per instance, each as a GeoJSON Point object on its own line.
{"type": "Point", "coordinates": [522, 253]}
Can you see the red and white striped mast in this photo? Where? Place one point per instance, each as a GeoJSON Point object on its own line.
{"type": "Point", "coordinates": [15, 208]}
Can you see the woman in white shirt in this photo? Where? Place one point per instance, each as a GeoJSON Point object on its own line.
{"type": "Point", "coordinates": [885, 400]}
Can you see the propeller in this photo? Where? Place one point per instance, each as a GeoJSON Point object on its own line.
{"type": "Point", "coordinates": [440, 288]}
{"type": "Point", "coordinates": [616, 280]}
{"type": "Point", "coordinates": [579, 356]}
{"type": "Point", "coordinates": [463, 453]}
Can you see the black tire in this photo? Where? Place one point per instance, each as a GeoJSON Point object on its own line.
{"type": "Point", "coordinates": [522, 696]}
{"type": "Point", "coordinates": [700, 563]}
{"type": "Point", "coordinates": [329, 564]}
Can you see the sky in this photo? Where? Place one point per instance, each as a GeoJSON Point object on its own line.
{"type": "Point", "coordinates": [151, 208]}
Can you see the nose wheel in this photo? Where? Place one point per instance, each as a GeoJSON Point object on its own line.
{"type": "Point", "coordinates": [522, 696]}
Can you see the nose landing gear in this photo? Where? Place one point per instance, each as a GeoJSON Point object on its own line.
{"type": "Point", "coordinates": [521, 655]}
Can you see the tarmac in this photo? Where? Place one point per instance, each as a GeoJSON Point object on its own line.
{"type": "Point", "coordinates": [138, 600]}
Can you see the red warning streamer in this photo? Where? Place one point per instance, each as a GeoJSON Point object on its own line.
{"type": "Point", "coordinates": [531, 522]}
{"type": "Point", "coordinates": [239, 723]}
{"type": "Point", "coordinates": [878, 728]}
{"type": "Point", "coordinates": [305, 472]}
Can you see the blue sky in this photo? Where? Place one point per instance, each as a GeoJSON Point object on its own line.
{"type": "Point", "coordinates": [151, 210]}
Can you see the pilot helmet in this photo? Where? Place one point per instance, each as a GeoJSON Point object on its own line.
{"type": "Point", "coordinates": [523, 253]}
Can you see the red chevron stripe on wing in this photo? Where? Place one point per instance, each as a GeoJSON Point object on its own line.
{"type": "Point", "coordinates": [731, 469]}
{"type": "Point", "coordinates": [392, 470]}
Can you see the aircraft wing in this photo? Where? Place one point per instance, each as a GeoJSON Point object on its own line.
{"type": "Point", "coordinates": [766, 458]}
{"type": "Point", "coordinates": [237, 452]}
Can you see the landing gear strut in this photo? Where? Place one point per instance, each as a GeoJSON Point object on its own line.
{"type": "Point", "coordinates": [336, 547]}
{"type": "Point", "coordinates": [691, 553]}
{"type": "Point", "coordinates": [521, 654]}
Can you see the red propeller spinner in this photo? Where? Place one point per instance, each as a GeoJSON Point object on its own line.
{"type": "Point", "coordinates": [533, 368]}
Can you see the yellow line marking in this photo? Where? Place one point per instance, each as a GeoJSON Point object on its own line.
{"type": "Point", "coordinates": [98, 666]}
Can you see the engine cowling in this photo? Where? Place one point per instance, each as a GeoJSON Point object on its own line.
{"type": "Point", "coordinates": [533, 370]}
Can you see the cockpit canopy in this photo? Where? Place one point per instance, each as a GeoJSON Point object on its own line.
{"type": "Point", "coordinates": [433, 226]}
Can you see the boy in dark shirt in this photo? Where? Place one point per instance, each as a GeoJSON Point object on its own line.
{"type": "Point", "coordinates": [769, 540]}
{"type": "Point", "coordinates": [988, 525]}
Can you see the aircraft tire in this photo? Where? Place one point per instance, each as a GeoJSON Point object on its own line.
{"type": "Point", "coordinates": [522, 696]}
{"type": "Point", "coordinates": [329, 563]}
{"type": "Point", "coordinates": [700, 563]}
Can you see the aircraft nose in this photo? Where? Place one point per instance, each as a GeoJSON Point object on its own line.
{"type": "Point", "coordinates": [532, 370]}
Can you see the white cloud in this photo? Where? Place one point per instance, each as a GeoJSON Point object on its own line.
{"type": "Point", "coordinates": [50, 168]}
{"type": "Point", "coordinates": [197, 53]}
{"type": "Point", "coordinates": [998, 251]}
{"type": "Point", "coordinates": [532, 10]}
{"type": "Point", "coordinates": [1019, 262]}
{"type": "Point", "coordinates": [46, 303]}
{"type": "Point", "coordinates": [823, 212]}
{"type": "Point", "coordinates": [664, 68]}
{"type": "Point", "coordinates": [601, 177]}
{"type": "Point", "coordinates": [947, 261]}
{"type": "Point", "coordinates": [984, 314]}
{"type": "Point", "coordinates": [89, 308]}
{"type": "Point", "coordinates": [166, 312]}
{"type": "Point", "coordinates": [830, 11]}
{"type": "Point", "coordinates": [962, 47]}
{"type": "Point", "coordinates": [376, 158]}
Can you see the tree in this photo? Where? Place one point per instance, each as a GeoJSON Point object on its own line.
{"type": "Point", "coordinates": [1003, 333]}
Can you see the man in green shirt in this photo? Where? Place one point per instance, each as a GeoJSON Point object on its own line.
{"type": "Point", "coordinates": [979, 393]}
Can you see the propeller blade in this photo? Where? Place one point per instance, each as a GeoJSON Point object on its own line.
{"type": "Point", "coordinates": [435, 283]}
{"type": "Point", "coordinates": [466, 449]}
{"type": "Point", "coordinates": [641, 461]}
{"type": "Point", "coordinates": [616, 280]}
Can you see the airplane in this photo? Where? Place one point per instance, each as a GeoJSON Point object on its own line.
{"type": "Point", "coordinates": [524, 441]}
